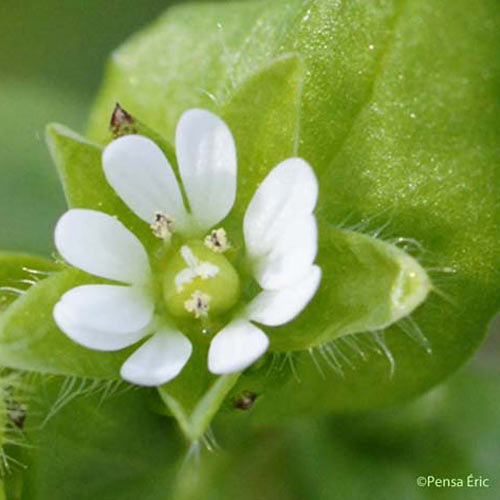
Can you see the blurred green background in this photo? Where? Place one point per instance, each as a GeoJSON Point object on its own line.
{"type": "Point", "coordinates": [52, 56]}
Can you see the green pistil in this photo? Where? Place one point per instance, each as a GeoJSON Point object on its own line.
{"type": "Point", "coordinates": [199, 282]}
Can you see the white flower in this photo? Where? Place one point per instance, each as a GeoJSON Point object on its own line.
{"type": "Point", "coordinates": [280, 237]}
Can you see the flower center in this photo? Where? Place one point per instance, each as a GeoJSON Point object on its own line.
{"type": "Point", "coordinates": [199, 282]}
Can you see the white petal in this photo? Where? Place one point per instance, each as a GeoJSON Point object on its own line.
{"type": "Point", "coordinates": [93, 339]}
{"type": "Point", "coordinates": [108, 308]}
{"type": "Point", "coordinates": [236, 347]}
{"type": "Point", "coordinates": [99, 244]}
{"type": "Point", "coordinates": [289, 192]}
{"type": "Point", "coordinates": [158, 360]}
{"type": "Point", "coordinates": [140, 173]}
{"type": "Point", "coordinates": [276, 307]}
{"type": "Point", "coordinates": [291, 257]}
{"type": "Point", "coordinates": [207, 162]}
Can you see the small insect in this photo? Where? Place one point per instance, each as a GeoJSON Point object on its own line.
{"type": "Point", "coordinates": [245, 400]}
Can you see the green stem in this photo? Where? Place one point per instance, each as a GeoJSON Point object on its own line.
{"type": "Point", "coordinates": [196, 424]}
{"type": "Point", "coordinates": [2, 490]}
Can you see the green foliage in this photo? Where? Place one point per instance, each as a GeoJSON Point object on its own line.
{"type": "Point", "coordinates": [79, 165]}
{"type": "Point", "coordinates": [115, 448]}
{"type": "Point", "coordinates": [367, 285]}
{"type": "Point", "coordinates": [195, 420]}
{"type": "Point", "coordinates": [401, 135]}
{"type": "Point", "coordinates": [450, 432]}
{"type": "Point", "coordinates": [31, 340]}
{"type": "Point", "coordinates": [105, 447]}
{"type": "Point", "coordinates": [43, 41]}
{"type": "Point", "coordinates": [395, 106]}
{"type": "Point", "coordinates": [49, 75]}
{"type": "Point", "coordinates": [19, 272]}
{"type": "Point", "coordinates": [3, 427]}
{"type": "Point", "coordinates": [362, 290]}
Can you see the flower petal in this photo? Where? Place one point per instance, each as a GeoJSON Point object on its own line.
{"type": "Point", "coordinates": [108, 308]}
{"type": "Point", "coordinates": [99, 244]}
{"type": "Point", "coordinates": [276, 307]}
{"type": "Point", "coordinates": [291, 257]}
{"type": "Point", "coordinates": [236, 347]}
{"type": "Point", "coordinates": [207, 162]}
{"type": "Point", "coordinates": [141, 175]}
{"type": "Point", "coordinates": [90, 338]}
{"type": "Point", "coordinates": [158, 360]}
{"type": "Point", "coordinates": [288, 193]}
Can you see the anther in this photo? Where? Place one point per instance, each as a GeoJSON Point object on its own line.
{"type": "Point", "coordinates": [163, 226]}
{"type": "Point", "coordinates": [198, 304]}
{"type": "Point", "coordinates": [217, 240]}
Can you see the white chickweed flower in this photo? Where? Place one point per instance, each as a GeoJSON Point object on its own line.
{"type": "Point", "coordinates": [196, 280]}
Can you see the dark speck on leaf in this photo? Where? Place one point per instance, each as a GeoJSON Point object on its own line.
{"type": "Point", "coordinates": [17, 414]}
{"type": "Point", "coordinates": [245, 400]}
{"type": "Point", "coordinates": [121, 122]}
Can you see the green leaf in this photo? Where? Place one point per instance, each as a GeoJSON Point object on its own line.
{"type": "Point", "coordinates": [79, 164]}
{"type": "Point", "coordinates": [195, 421]}
{"type": "Point", "coordinates": [400, 123]}
{"type": "Point", "coordinates": [107, 447]}
{"type": "Point", "coordinates": [114, 446]}
{"type": "Point", "coordinates": [450, 432]}
{"type": "Point", "coordinates": [20, 271]}
{"type": "Point", "coordinates": [195, 396]}
{"type": "Point", "coordinates": [30, 339]}
{"type": "Point", "coordinates": [285, 76]}
{"type": "Point", "coordinates": [367, 285]}
{"type": "Point", "coordinates": [172, 71]}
